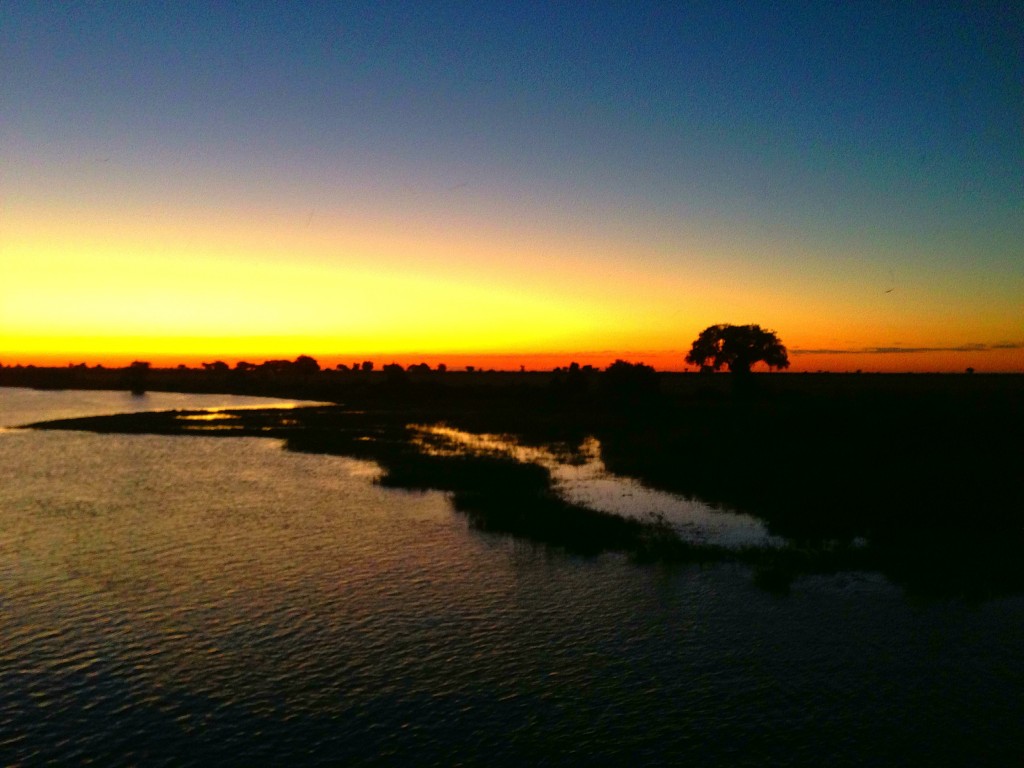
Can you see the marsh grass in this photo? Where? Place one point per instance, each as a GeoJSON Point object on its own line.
{"type": "Point", "coordinates": [925, 471]}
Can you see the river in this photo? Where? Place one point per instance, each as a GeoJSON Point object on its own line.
{"type": "Point", "coordinates": [201, 601]}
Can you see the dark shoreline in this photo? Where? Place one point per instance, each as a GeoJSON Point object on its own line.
{"type": "Point", "coordinates": [923, 468]}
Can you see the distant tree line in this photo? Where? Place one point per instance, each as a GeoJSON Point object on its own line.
{"type": "Point", "coordinates": [735, 347]}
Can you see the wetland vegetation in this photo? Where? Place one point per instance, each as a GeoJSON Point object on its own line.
{"type": "Point", "coordinates": [915, 476]}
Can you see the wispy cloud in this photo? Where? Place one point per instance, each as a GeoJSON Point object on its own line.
{"type": "Point", "coordinates": [910, 350]}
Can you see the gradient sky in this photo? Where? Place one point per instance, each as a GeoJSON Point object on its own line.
{"type": "Point", "coordinates": [537, 181]}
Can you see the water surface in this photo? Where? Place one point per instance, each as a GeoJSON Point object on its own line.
{"type": "Point", "coordinates": [21, 405]}
{"type": "Point", "coordinates": [580, 477]}
{"type": "Point", "coordinates": [197, 601]}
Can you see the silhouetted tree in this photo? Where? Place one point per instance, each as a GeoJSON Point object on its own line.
{"type": "Point", "coordinates": [575, 382]}
{"type": "Point", "coordinates": [275, 366]}
{"type": "Point", "coordinates": [218, 366]}
{"type": "Point", "coordinates": [137, 375]}
{"type": "Point", "coordinates": [367, 366]}
{"type": "Point", "coordinates": [394, 374]}
{"type": "Point", "coordinates": [622, 378]}
{"type": "Point", "coordinates": [621, 367]}
{"type": "Point", "coordinates": [306, 364]}
{"type": "Point", "coordinates": [738, 347]}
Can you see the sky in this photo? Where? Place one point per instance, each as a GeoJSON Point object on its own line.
{"type": "Point", "coordinates": [518, 183]}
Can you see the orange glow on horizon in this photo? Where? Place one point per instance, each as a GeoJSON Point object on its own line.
{"type": "Point", "coordinates": [988, 361]}
{"type": "Point", "coordinates": [110, 287]}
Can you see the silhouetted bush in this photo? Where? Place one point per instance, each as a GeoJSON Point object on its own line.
{"type": "Point", "coordinates": [629, 380]}
{"type": "Point", "coordinates": [306, 365]}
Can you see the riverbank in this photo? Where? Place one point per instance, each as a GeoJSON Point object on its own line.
{"type": "Point", "coordinates": [914, 476]}
{"type": "Point", "coordinates": [332, 384]}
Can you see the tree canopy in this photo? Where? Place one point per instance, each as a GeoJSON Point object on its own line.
{"type": "Point", "coordinates": [738, 347]}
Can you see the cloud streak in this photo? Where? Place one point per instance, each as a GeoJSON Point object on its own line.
{"type": "Point", "coordinates": [910, 350]}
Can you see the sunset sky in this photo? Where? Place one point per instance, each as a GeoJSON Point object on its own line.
{"type": "Point", "coordinates": [516, 182]}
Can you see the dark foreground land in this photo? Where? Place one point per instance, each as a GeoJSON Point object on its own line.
{"type": "Point", "coordinates": [917, 476]}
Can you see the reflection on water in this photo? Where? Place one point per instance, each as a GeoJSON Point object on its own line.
{"type": "Point", "coordinates": [580, 477]}
{"type": "Point", "coordinates": [19, 405]}
{"type": "Point", "coordinates": [202, 601]}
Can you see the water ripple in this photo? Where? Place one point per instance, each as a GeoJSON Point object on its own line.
{"type": "Point", "coordinates": [192, 601]}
